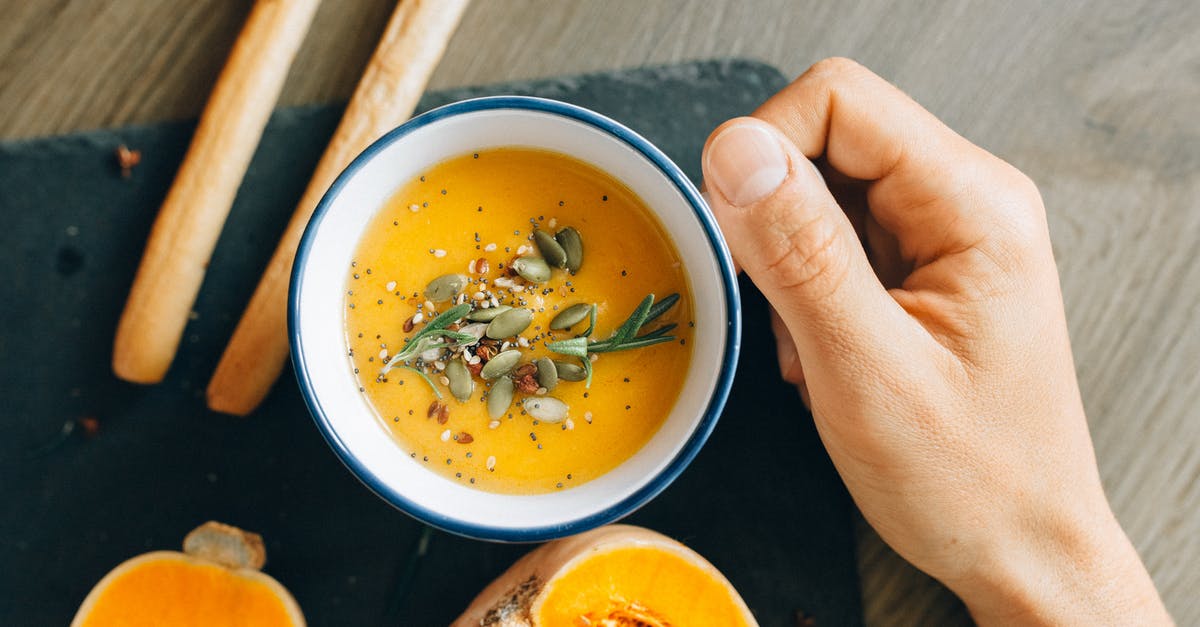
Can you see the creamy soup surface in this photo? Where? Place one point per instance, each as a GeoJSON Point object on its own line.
{"type": "Point", "coordinates": [473, 216]}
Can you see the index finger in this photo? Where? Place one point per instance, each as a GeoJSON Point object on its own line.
{"type": "Point", "coordinates": [933, 189]}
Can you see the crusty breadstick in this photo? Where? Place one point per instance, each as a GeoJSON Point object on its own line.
{"type": "Point", "coordinates": [190, 220]}
{"type": "Point", "coordinates": [386, 95]}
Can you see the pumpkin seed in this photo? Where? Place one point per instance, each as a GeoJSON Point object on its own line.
{"type": "Point", "coordinates": [547, 373]}
{"type": "Point", "coordinates": [546, 408]}
{"type": "Point", "coordinates": [500, 397]}
{"type": "Point", "coordinates": [476, 329]}
{"type": "Point", "coordinates": [509, 323]}
{"type": "Point", "coordinates": [445, 287]}
{"type": "Point", "coordinates": [500, 364]}
{"type": "Point", "coordinates": [532, 269]}
{"type": "Point", "coordinates": [487, 315]}
{"type": "Point", "coordinates": [572, 245]}
{"type": "Point", "coordinates": [570, 316]}
{"type": "Point", "coordinates": [461, 384]}
{"type": "Point", "coordinates": [551, 250]}
{"type": "Point", "coordinates": [568, 371]}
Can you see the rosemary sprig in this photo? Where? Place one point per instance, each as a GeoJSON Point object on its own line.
{"type": "Point", "coordinates": [429, 335]}
{"type": "Point", "coordinates": [624, 338]}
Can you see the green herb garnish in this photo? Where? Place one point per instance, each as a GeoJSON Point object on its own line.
{"type": "Point", "coordinates": [424, 376]}
{"type": "Point", "coordinates": [624, 338]}
{"type": "Point", "coordinates": [433, 335]}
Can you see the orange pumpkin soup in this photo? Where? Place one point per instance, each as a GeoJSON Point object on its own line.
{"type": "Point", "coordinates": [519, 320]}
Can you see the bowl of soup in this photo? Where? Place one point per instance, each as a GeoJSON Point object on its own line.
{"type": "Point", "coordinates": [514, 319]}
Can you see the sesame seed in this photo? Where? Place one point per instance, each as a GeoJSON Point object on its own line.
{"type": "Point", "coordinates": [439, 253]}
{"type": "Point", "coordinates": [446, 438]}
{"type": "Point", "coordinates": [490, 247]}
{"type": "Point", "coordinates": [391, 285]}
{"type": "Point", "coordinates": [414, 207]}
{"type": "Point", "coordinates": [491, 462]}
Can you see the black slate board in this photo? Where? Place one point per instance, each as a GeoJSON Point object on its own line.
{"type": "Point", "coordinates": [761, 501]}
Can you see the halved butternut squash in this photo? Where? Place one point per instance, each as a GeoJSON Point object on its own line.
{"type": "Point", "coordinates": [614, 576]}
{"type": "Point", "coordinates": [215, 582]}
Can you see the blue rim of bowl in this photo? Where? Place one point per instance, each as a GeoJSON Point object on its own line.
{"type": "Point", "coordinates": [631, 502]}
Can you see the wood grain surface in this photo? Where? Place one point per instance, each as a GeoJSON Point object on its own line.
{"type": "Point", "coordinates": [1095, 100]}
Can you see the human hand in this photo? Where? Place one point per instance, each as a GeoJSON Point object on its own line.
{"type": "Point", "coordinates": [919, 311]}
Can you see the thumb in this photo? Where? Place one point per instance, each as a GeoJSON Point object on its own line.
{"type": "Point", "coordinates": [790, 236]}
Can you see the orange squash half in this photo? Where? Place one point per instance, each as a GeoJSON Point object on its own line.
{"type": "Point", "coordinates": [614, 576]}
{"type": "Point", "coordinates": [215, 582]}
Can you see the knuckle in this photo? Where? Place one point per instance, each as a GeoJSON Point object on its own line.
{"type": "Point", "coordinates": [806, 256]}
{"type": "Point", "coordinates": [835, 67]}
{"type": "Point", "coordinates": [1020, 214]}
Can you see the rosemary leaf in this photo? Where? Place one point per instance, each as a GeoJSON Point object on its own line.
{"type": "Point", "coordinates": [634, 322]}
{"type": "Point", "coordinates": [661, 307]}
{"type": "Point", "coordinates": [433, 387]}
{"type": "Point", "coordinates": [663, 330]}
{"type": "Point", "coordinates": [591, 322]}
{"type": "Point", "coordinates": [446, 318]}
{"type": "Point", "coordinates": [640, 342]}
{"type": "Point", "coordinates": [460, 338]}
{"type": "Point", "coordinates": [575, 347]}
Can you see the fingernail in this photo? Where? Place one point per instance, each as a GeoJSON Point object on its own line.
{"type": "Point", "coordinates": [746, 163]}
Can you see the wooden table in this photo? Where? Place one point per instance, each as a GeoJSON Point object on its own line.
{"type": "Point", "coordinates": [1096, 101]}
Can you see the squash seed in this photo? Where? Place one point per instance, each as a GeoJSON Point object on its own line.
{"type": "Point", "coordinates": [532, 269]}
{"type": "Point", "coordinates": [547, 373]}
{"type": "Point", "coordinates": [546, 408]}
{"type": "Point", "coordinates": [487, 315]}
{"type": "Point", "coordinates": [500, 364]}
{"type": "Point", "coordinates": [570, 316]}
{"type": "Point", "coordinates": [572, 245]}
{"type": "Point", "coordinates": [500, 397]}
{"type": "Point", "coordinates": [461, 383]}
{"type": "Point", "coordinates": [551, 250]}
{"type": "Point", "coordinates": [445, 287]}
{"type": "Point", "coordinates": [475, 329]}
{"type": "Point", "coordinates": [509, 323]}
{"type": "Point", "coordinates": [568, 371]}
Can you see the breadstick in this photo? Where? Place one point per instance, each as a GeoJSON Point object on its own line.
{"type": "Point", "coordinates": [386, 95]}
{"type": "Point", "coordinates": [190, 219]}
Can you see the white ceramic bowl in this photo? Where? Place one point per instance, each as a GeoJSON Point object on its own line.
{"type": "Point", "coordinates": [319, 349]}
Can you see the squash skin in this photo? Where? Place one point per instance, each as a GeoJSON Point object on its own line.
{"type": "Point", "coordinates": [250, 575]}
{"type": "Point", "coordinates": [514, 599]}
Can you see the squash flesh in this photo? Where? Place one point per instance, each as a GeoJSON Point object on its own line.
{"type": "Point", "coordinates": [179, 592]}
{"type": "Point", "coordinates": [640, 585]}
